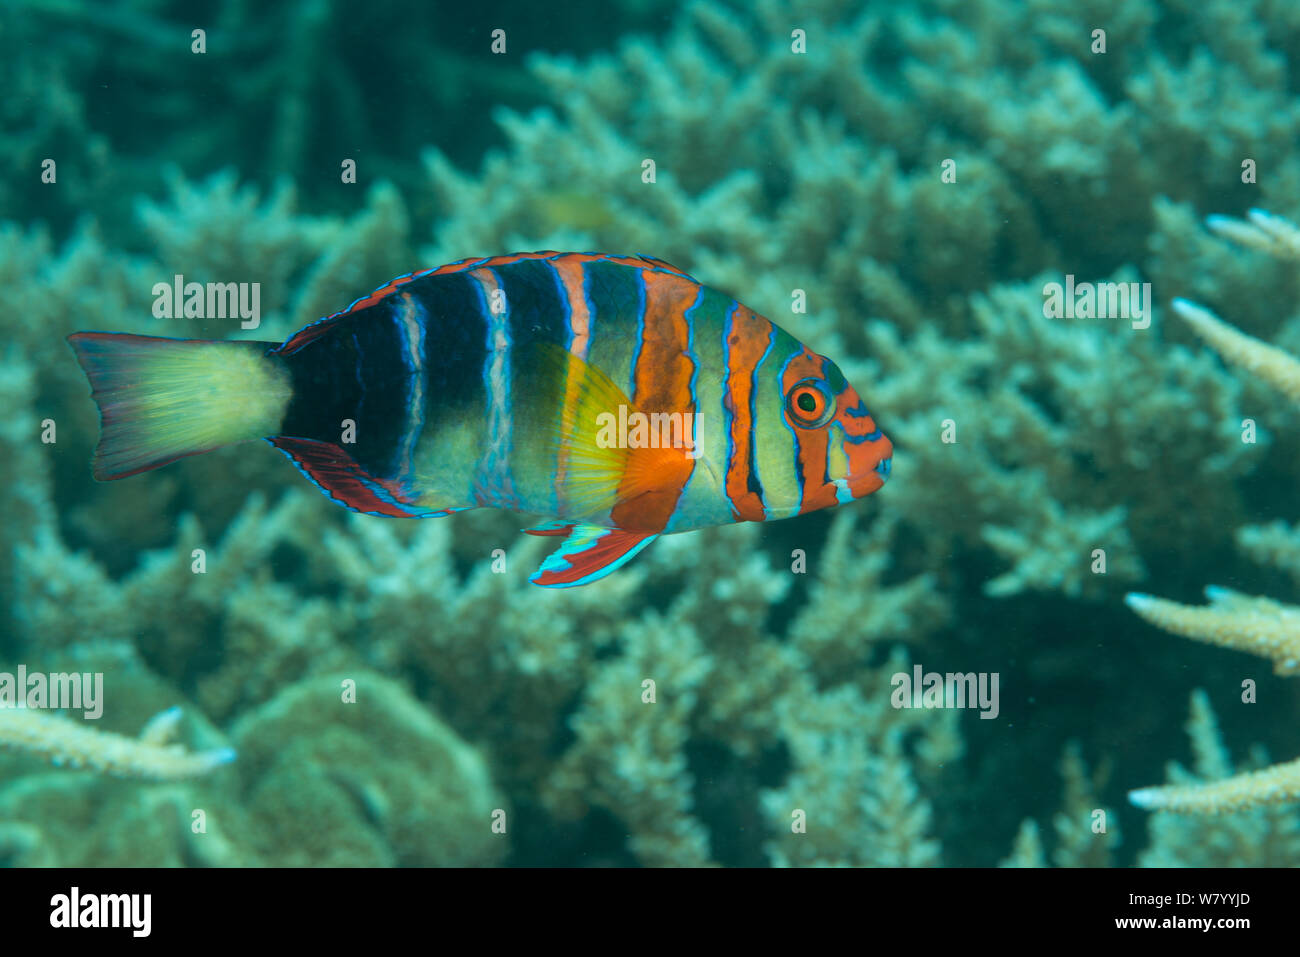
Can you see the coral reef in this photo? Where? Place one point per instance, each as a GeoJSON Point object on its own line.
{"type": "Point", "coordinates": [338, 770]}
{"type": "Point", "coordinates": [1258, 626]}
{"type": "Point", "coordinates": [1249, 836]}
{"type": "Point", "coordinates": [64, 743]}
{"type": "Point", "coordinates": [726, 698]}
{"type": "Point", "coordinates": [1255, 625]}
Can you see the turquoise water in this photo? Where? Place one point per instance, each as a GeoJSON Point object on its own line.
{"type": "Point", "coordinates": [903, 187]}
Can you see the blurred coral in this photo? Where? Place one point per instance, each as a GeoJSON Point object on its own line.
{"type": "Point", "coordinates": [1256, 625]}
{"type": "Point", "coordinates": [769, 649]}
{"type": "Point", "coordinates": [65, 743]}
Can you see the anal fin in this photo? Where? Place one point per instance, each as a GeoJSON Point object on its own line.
{"type": "Point", "coordinates": [588, 554]}
{"type": "Point", "coordinates": [338, 475]}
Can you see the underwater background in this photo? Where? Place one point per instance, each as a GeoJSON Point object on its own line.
{"type": "Point", "coordinates": [920, 171]}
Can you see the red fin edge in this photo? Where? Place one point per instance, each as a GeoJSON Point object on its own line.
{"type": "Point", "coordinates": [339, 477]}
{"type": "Point", "coordinates": [589, 554]}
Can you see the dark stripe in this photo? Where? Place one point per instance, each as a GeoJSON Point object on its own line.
{"type": "Point", "coordinates": [357, 371]}
{"type": "Point", "coordinates": [536, 308]}
{"type": "Point", "coordinates": [565, 302]}
{"type": "Point", "coordinates": [456, 348]}
{"type": "Point", "coordinates": [612, 289]}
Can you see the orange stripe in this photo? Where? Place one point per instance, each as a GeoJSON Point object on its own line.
{"type": "Point", "coordinates": [662, 383]}
{"type": "Point", "coordinates": [747, 343]}
{"type": "Point", "coordinates": [571, 273]}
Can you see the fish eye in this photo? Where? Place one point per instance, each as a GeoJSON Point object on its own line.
{"type": "Point", "coordinates": [809, 403]}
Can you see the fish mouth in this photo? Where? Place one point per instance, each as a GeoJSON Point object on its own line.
{"type": "Point", "coordinates": [862, 484]}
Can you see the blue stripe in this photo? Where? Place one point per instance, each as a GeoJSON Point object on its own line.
{"type": "Point", "coordinates": [494, 468]}
{"type": "Point", "coordinates": [753, 422]}
{"type": "Point", "coordinates": [564, 305]}
{"type": "Point", "coordinates": [591, 308]}
{"type": "Point", "coordinates": [688, 315]}
{"type": "Point", "coordinates": [859, 411]}
{"type": "Point", "coordinates": [857, 439]}
{"type": "Point", "coordinates": [640, 336]}
{"type": "Point", "coordinates": [409, 314]}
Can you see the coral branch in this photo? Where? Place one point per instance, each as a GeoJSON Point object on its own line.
{"type": "Point", "coordinates": [1274, 785]}
{"type": "Point", "coordinates": [1258, 626]}
{"type": "Point", "coordinates": [64, 743]}
{"type": "Point", "coordinates": [1269, 363]}
{"type": "Point", "coordinates": [1262, 230]}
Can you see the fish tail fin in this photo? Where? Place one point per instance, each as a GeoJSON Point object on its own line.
{"type": "Point", "coordinates": [162, 399]}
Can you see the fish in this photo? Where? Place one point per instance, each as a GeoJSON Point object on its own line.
{"type": "Point", "coordinates": [615, 397]}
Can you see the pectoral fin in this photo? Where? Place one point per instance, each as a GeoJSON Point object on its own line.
{"type": "Point", "coordinates": [588, 554]}
{"type": "Point", "coordinates": [597, 468]}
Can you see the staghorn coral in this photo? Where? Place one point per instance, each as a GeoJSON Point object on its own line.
{"type": "Point", "coordinates": [107, 92]}
{"type": "Point", "coordinates": [1256, 625]}
{"type": "Point", "coordinates": [1250, 834]}
{"type": "Point", "coordinates": [1027, 850]}
{"type": "Point", "coordinates": [1276, 544]}
{"type": "Point", "coordinates": [1279, 784]}
{"type": "Point", "coordinates": [1085, 833]}
{"type": "Point", "coordinates": [931, 294]}
{"type": "Point", "coordinates": [858, 793]}
{"type": "Point", "coordinates": [1081, 838]}
{"type": "Point", "coordinates": [318, 781]}
{"type": "Point", "coordinates": [1269, 363]}
{"type": "Point", "coordinates": [64, 743]}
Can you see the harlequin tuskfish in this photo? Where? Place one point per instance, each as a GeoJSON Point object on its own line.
{"type": "Point", "coordinates": [615, 396]}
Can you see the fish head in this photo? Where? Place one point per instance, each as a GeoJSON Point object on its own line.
{"type": "Point", "coordinates": [840, 454]}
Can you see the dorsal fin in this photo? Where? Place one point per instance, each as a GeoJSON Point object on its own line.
{"type": "Point", "coordinates": [315, 330]}
{"type": "Point", "coordinates": [338, 475]}
{"type": "Point", "coordinates": [662, 264]}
